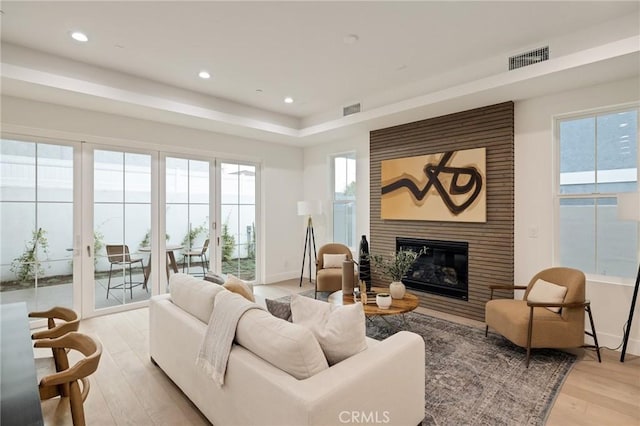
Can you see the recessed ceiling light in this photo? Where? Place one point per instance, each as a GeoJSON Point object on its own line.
{"type": "Point", "coordinates": [78, 36]}
{"type": "Point", "coordinates": [288, 100]}
{"type": "Point", "coordinates": [204, 75]}
{"type": "Point", "coordinates": [350, 38]}
{"type": "Point", "coordinates": [623, 124]}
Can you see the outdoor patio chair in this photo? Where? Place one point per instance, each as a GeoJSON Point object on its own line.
{"type": "Point", "coordinates": [201, 253]}
{"type": "Point", "coordinates": [119, 255]}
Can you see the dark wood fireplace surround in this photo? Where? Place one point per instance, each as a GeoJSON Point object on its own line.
{"type": "Point", "coordinates": [490, 244]}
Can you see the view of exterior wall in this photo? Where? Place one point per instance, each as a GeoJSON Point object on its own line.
{"type": "Point", "coordinates": [490, 243]}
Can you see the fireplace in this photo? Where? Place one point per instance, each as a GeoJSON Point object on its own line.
{"type": "Point", "coordinates": [442, 269]}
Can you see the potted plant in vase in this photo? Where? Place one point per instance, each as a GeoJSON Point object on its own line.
{"type": "Point", "coordinates": [394, 268]}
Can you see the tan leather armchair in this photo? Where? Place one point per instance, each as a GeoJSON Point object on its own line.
{"type": "Point", "coordinates": [531, 325]}
{"type": "Point", "coordinates": [330, 279]}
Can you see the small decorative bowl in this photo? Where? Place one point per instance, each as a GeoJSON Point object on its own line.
{"type": "Point", "coordinates": [383, 300]}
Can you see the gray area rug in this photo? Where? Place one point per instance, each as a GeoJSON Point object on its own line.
{"type": "Point", "coordinates": [476, 380]}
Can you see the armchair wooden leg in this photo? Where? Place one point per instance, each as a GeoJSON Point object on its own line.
{"type": "Point", "coordinates": [75, 401]}
{"type": "Point", "coordinates": [486, 331]}
{"type": "Point", "coordinates": [593, 332]}
{"type": "Point", "coordinates": [529, 333]}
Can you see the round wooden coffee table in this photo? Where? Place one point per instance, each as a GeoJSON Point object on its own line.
{"type": "Point", "coordinates": [398, 306]}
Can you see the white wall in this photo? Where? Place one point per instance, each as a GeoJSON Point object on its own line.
{"type": "Point", "coordinates": [534, 200]}
{"type": "Point", "coordinates": [281, 166]}
{"type": "Point", "coordinates": [317, 186]}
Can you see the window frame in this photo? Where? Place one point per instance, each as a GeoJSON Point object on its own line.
{"type": "Point", "coordinates": [557, 196]}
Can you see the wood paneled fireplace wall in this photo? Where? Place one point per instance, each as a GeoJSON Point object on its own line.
{"type": "Point", "coordinates": [490, 252]}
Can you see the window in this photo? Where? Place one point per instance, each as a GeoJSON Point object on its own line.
{"type": "Point", "coordinates": [344, 199]}
{"type": "Point", "coordinates": [598, 159]}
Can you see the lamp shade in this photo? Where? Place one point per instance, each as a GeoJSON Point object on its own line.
{"type": "Point", "coordinates": [629, 206]}
{"type": "Point", "coordinates": [308, 208]}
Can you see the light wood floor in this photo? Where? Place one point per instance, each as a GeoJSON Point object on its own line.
{"type": "Point", "coordinates": [128, 390]}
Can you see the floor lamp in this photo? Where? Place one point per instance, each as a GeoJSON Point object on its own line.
{"type": "Point", "coordinates": [309, 208]}
{"type": "Point", "coordinates": [629, 209]}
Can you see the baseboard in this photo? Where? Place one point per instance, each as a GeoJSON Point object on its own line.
{"type": "Point", "coordinates": [282, 276]}
{"type": "Point", "coordinates": [612, 341]}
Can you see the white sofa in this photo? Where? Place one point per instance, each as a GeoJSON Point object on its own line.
{"type": "Point", "coordinates": [382, 385]}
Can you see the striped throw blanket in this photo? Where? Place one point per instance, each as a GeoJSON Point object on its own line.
{"type": "Point", "coordinates": [214, 352]}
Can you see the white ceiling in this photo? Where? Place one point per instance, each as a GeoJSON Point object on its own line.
{"type": "Point", "coordinates": [405, 50]}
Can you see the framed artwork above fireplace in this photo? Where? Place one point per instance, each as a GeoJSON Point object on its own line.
{"type": "Point", "coordinates": [448, 186]}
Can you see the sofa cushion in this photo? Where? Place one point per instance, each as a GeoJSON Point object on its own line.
{"type": "Point", "coordinates": [193, 295]}
{"type": "Point", "coordinates": [340, 330]}
{"type": "Point", "coordinates": [333, 260]}
{"type": "Point", "coordinates": [546, 292]}
{"type": "Point", "coordinates": [279, 309]}
{"type": "Point", "coordinates": [236, 285]}
{"type": "Point", "coordinates": [289, 347]}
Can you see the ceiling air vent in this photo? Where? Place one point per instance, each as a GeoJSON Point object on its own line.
{"type": "Point", "coordinates": [529, 58]}
{"type": "Point", "coordinates": [350, 109]}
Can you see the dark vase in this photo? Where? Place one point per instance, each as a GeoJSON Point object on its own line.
{"type": "Point", "coordinates": [363, 261]}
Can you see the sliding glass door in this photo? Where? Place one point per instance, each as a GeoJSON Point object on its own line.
{"type": "Point", "coordinates": [38, 206]}
{"type": "Point", "coordinates": [121, 228]}
{"type": "Point", "coordinates": [238, 242]}
{"type": "Point", "coordinates": [101, 228]}
{"type": "Point", "coordinates": [188, 213]}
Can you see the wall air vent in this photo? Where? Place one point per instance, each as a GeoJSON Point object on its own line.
{"type": "Point", "coordinates": [529, 58]}
{"type": "Point", "coordinates": [350, 109]}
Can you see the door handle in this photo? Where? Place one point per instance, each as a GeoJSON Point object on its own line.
{"type": "Point", "coordinates": [89, 251]}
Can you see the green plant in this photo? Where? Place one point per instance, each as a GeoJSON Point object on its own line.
{"type": "Point", "coordinates": [228, 243]}
{"type": "Point", "coordinates": [27, 266]}
{"type": "Point", "coordinates": [98, 245]}
{"type": "Point", "coordinates": [396, 265]}
{"type": "Point", "coordinates": [251, 247]}
{"type": "Point", "coordinates": [194, 233]}
{"type": "Point", "coordinates": [146, 241]}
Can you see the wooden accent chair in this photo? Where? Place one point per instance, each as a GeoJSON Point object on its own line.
{"type": "Point", "coordinates": [330, 279]}
{"type": "Point", "coordinates": [69, 317]}
{"type": "Point", "coordinates": [69, 322]}
{"type": "Point", "coordinates": [201, 253]}
{"type": "Point", "coordinates": [529, 324]}
{"type": "Point", "coordinates": [70, 377]}
{"type": "Point", "coordinates": [118, 254]}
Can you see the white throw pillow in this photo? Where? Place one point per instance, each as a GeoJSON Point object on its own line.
{"type": "Point", "coordinates": [290, 347]}
{"type": "Point", "coordinates": [546, 292]}
{"type": "Point", "coordinates": [340, 330]}
{"type": "Point", "coordinates": [193, 295]}
{"type": "Point", "coordinates": [333, 260]}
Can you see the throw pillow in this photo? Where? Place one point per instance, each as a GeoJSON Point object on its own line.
{"type": "Point", "coordinates": [340, 330]}
{"type": "Point", "coordinates": [214, 278]}
{"type": "Point", "coordinates": [546, 292]}
{"type": "Point", "coordinates": [238, 286]}
{"type": "Point", "coordinates": [279, 309]}
{"type": "Point", "coordinates": [333, 260]}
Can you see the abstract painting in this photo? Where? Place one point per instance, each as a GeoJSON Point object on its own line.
{"type": "Point", "coordinates": [449, 186]}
